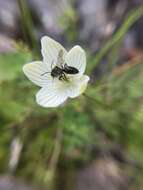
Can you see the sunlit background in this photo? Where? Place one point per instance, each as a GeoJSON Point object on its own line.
{"type": "Point", "coordinates": [93, 142]}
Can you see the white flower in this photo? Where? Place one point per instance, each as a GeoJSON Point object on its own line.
{"type": "Point", "coordinates": [55, 90]}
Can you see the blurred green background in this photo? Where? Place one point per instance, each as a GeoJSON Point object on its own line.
{"type": "Point", "coordinates": [93, 142]}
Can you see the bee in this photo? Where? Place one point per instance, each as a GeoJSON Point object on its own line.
{"type": "Point", "coordinates": [60, 70]}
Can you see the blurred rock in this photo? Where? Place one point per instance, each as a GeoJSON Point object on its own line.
{"type": "Point", "coordinates": [49, 12]}
{"type": "Point", "coordinates": [9, 14]}
{"type": "Point", "coordinates": [93, 20]}
{"type": "Point", "coordinates": [104, 174]}
{"type": "Point", "coordinates": [11, 183]}
{"type": "Point", "coordinates": [97, 19]}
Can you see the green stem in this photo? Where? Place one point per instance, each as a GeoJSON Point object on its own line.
{"type": "Point", "coordinates": [98, 102]}
{"type": "Point", "coordinates": [131, 18]}
{"type": "Point", "coordinates": [28, 26]}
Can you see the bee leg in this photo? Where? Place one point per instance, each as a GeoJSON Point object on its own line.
{"type": "Point", "coordinates": [61, 77]}
{"type": "Point", "coordinates": [64, 77]}
{"type": "Point", "coordinates": [45, 73]}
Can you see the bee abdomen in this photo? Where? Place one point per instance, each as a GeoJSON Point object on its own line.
{"type": "Point", "coordinates": [70, 70]}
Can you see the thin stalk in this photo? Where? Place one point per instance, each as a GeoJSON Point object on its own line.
{"type": "Point", "coordinates": [27, 25]}
{"type": "Point", "coordinates": [98, 102]}
{"type": "Point", "coordinates": [131, 18]}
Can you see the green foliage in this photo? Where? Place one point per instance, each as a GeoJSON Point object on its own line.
{"type": "Point", "coordinates": [110, 114]}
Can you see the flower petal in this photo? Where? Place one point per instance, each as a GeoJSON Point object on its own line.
{"type": "Point", "coordinates": [76, 58]}
{"type": "Point", "coordinates": [78, 86]}
{"type": "Point", "coordinates": [51, 96]}
{"type": "Point", "coordinates": [34, 71]}
{"type": "Point", "coordinates": [50, 50]}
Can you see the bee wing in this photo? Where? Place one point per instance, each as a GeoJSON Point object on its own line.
{"type": "Point", "coordinates": [52, 51]}
{"type": "Point", "coordinates": [60, 60]}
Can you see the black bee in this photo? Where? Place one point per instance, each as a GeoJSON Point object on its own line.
{"type": "Point", "coordinates": [61, 70]}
